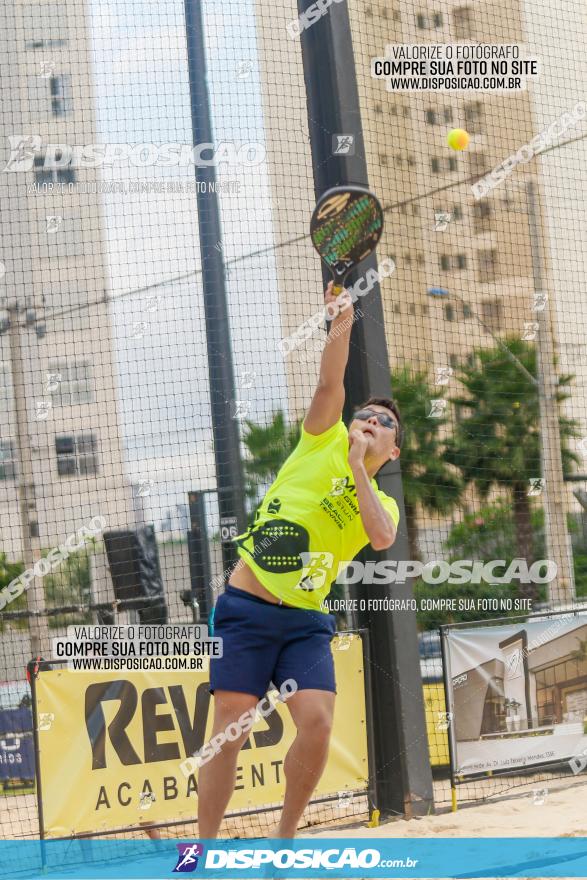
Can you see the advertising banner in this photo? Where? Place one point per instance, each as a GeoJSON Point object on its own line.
{"type": "Point", "coordinates": [518, 694]}
{"type": "Point", "coordinates": [17, 758]}
{"type": "Point", "coordinates": [111, 745]}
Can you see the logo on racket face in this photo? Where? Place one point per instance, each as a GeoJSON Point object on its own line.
{"type": "Point", "coordinates": [333, 206]}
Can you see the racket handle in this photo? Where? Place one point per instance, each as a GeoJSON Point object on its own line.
{"type": "Point", "coordinates": [337, 289]}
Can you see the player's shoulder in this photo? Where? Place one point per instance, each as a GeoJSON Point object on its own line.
{"type": "Point", "coordinates": [332, 434]}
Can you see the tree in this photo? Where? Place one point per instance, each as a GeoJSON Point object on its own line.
{"type": "Point", "coordinates": [268, 447]}
{"type": "Point", "coordinates": [428, 482]}
{"type": "Point", "coordinates": [486, 534]}
{"type": "Point", "coordinates": [496, 441]}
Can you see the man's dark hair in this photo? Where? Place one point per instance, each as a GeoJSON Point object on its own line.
{"type": "Point", "coordinates": [389, 404]}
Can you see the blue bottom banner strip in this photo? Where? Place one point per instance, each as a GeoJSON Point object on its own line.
{"type": "Point", "coordinates": [302, 858]}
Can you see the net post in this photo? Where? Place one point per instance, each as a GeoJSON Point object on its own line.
{"type": "Point", "coordinates": [228, 464]}
{"type": "Point", "coordinates": [404, 782]}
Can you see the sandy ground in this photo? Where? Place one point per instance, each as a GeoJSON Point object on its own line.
{"type": "Point", "coordinates": [550, 812]}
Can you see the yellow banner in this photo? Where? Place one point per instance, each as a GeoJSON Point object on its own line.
{"type": "Point", "coordinates": [111, 745]}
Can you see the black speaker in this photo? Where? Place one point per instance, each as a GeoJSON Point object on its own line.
{"type": "Point", "coordinates": [133, 559]}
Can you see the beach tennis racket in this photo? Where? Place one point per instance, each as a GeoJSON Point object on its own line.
{"type": "Point", "coordinates": [345, 229]}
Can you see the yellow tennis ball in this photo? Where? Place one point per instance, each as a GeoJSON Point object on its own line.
{"type": "Point", "coordinates": [458, 139]}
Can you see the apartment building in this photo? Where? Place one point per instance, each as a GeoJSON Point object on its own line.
{"type": "Point", "coordinates": [558, 34]}
{"type": "Point", "coordinates": [464, 272]}
{"type": "Point", "coordinates": [456, 282]}
{"type": "Point", "coordinates": [54, 270]}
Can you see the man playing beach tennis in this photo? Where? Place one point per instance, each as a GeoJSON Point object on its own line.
{"type": "Point", "coordinates": [323, 507]}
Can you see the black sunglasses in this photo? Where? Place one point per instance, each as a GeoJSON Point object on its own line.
{"type": "Point", "coordinates": [383, 419]}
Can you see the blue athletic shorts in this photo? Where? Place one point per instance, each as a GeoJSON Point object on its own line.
{"type": "Point", "coordinates": [265, 643]}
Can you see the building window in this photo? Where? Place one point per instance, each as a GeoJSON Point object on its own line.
{"type": "Point", "coordinates": [60, 88]}
{"type": "Point", "coordinates": [445, 164]}
{"type": "Point", "coordinates": [477, 164]}
{"type": "Point", "coordinates": [487, 263]}
{"type": "Point", "coordinates": [449, 313]}
{"type": "Point", "coordinates": [475, 117]}
{"type": "Point", "coordinates": [412, 309]}
{"type": "Point", "coordinates": [7, 460]}
{"type": "Point", "coordinates": [481, 216]}
{"type": "Point", "coordinates": [76, 454]}
{"type": "Point", "coordinates": [464, 23]}
{"type": "Point", "coordinates": [6, 390]}
{"type": "Point", "coordinates": [561, 691]}
{"type": "Point", "coordinates": [70, 383]}
{"type": "Point", "coordinates": [492, 313]}
{"type": "Point", "coordinates": [48, 96]}
{"type": "Point", "coordinates": [382, 159]}
{"type": "Point", "coordinates": [51, 174]}
{"type": "Point", "coordinates": [457, 212]}
{"type": "Point", "coordinates": [45, 25]}
{"type": "Point", "coordinates": [433, 117]}
{"type": "Point", "coordinates": [424, 23]}
{"type": "Point", "coordinates": [453, 361]}
{"type": "Point", "coordinates": [457, 261]}
{"type": "Point", "coordinates": [467, 313]}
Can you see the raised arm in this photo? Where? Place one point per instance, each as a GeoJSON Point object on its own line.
{"type": "Point", "coordinates": [377, 522]}
{"type": "Point", "coordinates": [328, 400]}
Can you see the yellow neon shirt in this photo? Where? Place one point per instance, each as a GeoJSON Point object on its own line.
{"type": "Point", "coordinates": [309, 522]}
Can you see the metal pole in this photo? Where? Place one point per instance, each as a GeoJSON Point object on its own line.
{"type": "Point", "coordinates": [558, 541]}
{"type": "Point", "coordinates": [403, 777]}
{"type": "Point", "coordinates": [220, 367]}
{"type": "Point", "coordinates": [31, 546]}
{"type": "Point", "coordinates": [448, 703]}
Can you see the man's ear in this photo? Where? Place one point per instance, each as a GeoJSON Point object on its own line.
{"type": "Point", "coordinates": [395, 453]}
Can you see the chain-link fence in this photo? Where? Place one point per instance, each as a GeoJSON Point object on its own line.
{"type": "Point", "coordinates": [141, 425]}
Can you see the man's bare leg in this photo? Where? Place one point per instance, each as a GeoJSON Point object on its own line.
{"type": "Point", "coordinates": [217, 778]}
{"type": "Point", "coordinates": [312, 712]}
